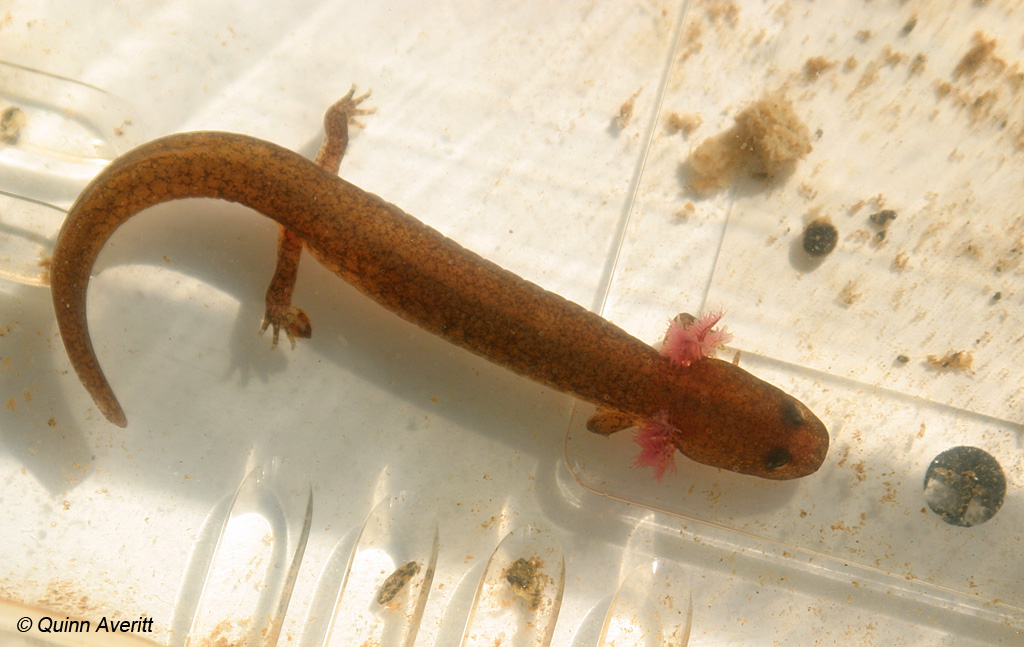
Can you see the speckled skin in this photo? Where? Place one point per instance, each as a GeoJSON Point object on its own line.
{"type": "Point", "coordinates": [730, 418]}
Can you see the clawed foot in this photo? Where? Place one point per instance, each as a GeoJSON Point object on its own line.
{"type": "Point", "coordinates": [291, 319]}
{"type": "Point", "coordinates": [347, 108]}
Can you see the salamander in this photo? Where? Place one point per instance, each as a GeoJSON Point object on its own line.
{"type": "Point", "coordinates": [720, 414]}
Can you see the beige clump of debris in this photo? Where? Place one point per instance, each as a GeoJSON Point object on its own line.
{"type": "Point", "coordinates": [685, 123]}
{"type": "Point", "coordinates": [766, 141]}
{"type": "Point", "coordinates": [959, 361]}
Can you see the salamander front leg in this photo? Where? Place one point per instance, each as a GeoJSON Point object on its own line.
{"type": "Point", "coordinates": [688, 339]}
{"type": "Point", "coordinates": [281, 314]}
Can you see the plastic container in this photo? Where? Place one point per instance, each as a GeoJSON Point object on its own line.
{"type": "Point", "coordinates": [561, 142]}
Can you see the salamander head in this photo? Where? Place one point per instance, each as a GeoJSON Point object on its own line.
{"type": "Point", "coordinates": [785, 441]}
{"type": "Point", "coordinates": [749, 426]}
{"type": "Point", "coordinates": [799, 447]}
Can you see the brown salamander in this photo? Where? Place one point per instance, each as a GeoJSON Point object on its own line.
{"type": "Point", "coordinates": [725, 417]}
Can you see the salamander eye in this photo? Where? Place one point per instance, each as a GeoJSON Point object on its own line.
{"type": "Point", "coordinates": [792, 415]}
{"type": "Point", "coordinates": [776, 458]}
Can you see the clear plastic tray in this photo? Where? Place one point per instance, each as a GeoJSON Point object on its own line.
{"type": "Point", "coordinates": [268, 495]}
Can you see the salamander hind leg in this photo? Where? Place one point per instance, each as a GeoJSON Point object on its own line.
{"type": "Point", "coordinates": [280, 313]}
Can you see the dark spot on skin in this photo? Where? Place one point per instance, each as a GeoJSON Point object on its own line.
{"type": "Point", "coordinates": [902, 359]}
{"type": "Point", "coordinates": [997, 296]}
{"type": "Point", "coordinates": [792, 415]}
{"type": "Point", "coordinates": [820, 238]}
{"type": "Point", "coordinates": [776, 458]}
